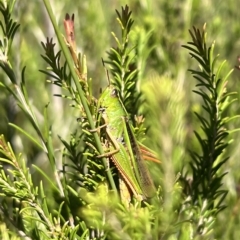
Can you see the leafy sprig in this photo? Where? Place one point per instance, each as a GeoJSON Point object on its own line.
{"type": "Point", "coordinates": [9, 29]}
{"type": "Point", "coordinates": [205, 188]}
{"type": "Point", "coordinates": [31, 210]}
{"type": "Point", "coordinates": [123, 66]}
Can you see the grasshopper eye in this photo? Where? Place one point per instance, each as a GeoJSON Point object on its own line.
{"type": "Point", "coordinates": [114, 93]}
{"type": "Point", "coordinates": [102, 110]}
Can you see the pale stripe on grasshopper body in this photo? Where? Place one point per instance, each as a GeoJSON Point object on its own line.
{"type": "Point", "coordinates": [124, 150]}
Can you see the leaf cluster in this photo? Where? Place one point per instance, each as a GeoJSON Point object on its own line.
{"type": "Point", "coordinates": [205, 186]}
{"type": "Point", "coordinates": [123, 64]}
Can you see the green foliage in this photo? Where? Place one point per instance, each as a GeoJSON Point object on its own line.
{"type": "Point", "coordinates": [206, 179]}
{"type": "Point", "coordinates": [73, 193]}
{"type": "Point", "coordinates": [9, 28]}
{"type": "Point", "coordinates": [122, 60]}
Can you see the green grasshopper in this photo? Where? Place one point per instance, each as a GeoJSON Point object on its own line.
{"type": "Point", "coordinates": [124, 150]}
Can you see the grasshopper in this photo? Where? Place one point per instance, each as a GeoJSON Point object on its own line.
{"type": "Point", "coordinates": [124, 150]}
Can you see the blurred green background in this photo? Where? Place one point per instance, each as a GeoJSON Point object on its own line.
{"type": "Point", "coordinates": [160, 28]}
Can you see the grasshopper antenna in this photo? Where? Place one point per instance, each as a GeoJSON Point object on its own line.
{"type": "Point", "coordinates": [107, 73]}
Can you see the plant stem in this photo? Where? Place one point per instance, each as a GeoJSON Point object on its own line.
{"type": "Point", "coordinates": [80, 91]}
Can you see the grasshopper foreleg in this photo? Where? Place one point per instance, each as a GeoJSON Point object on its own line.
{"type": "Point", "coordinates": [98, 128]}
{"type": "Point", "coordinates": [114, 143]}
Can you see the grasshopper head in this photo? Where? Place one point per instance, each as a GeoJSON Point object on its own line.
{"type": "Point", "coordinates": [108, 97]}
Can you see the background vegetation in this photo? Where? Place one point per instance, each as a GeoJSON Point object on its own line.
{"type": "Point", "coordinates": [160, 29]}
